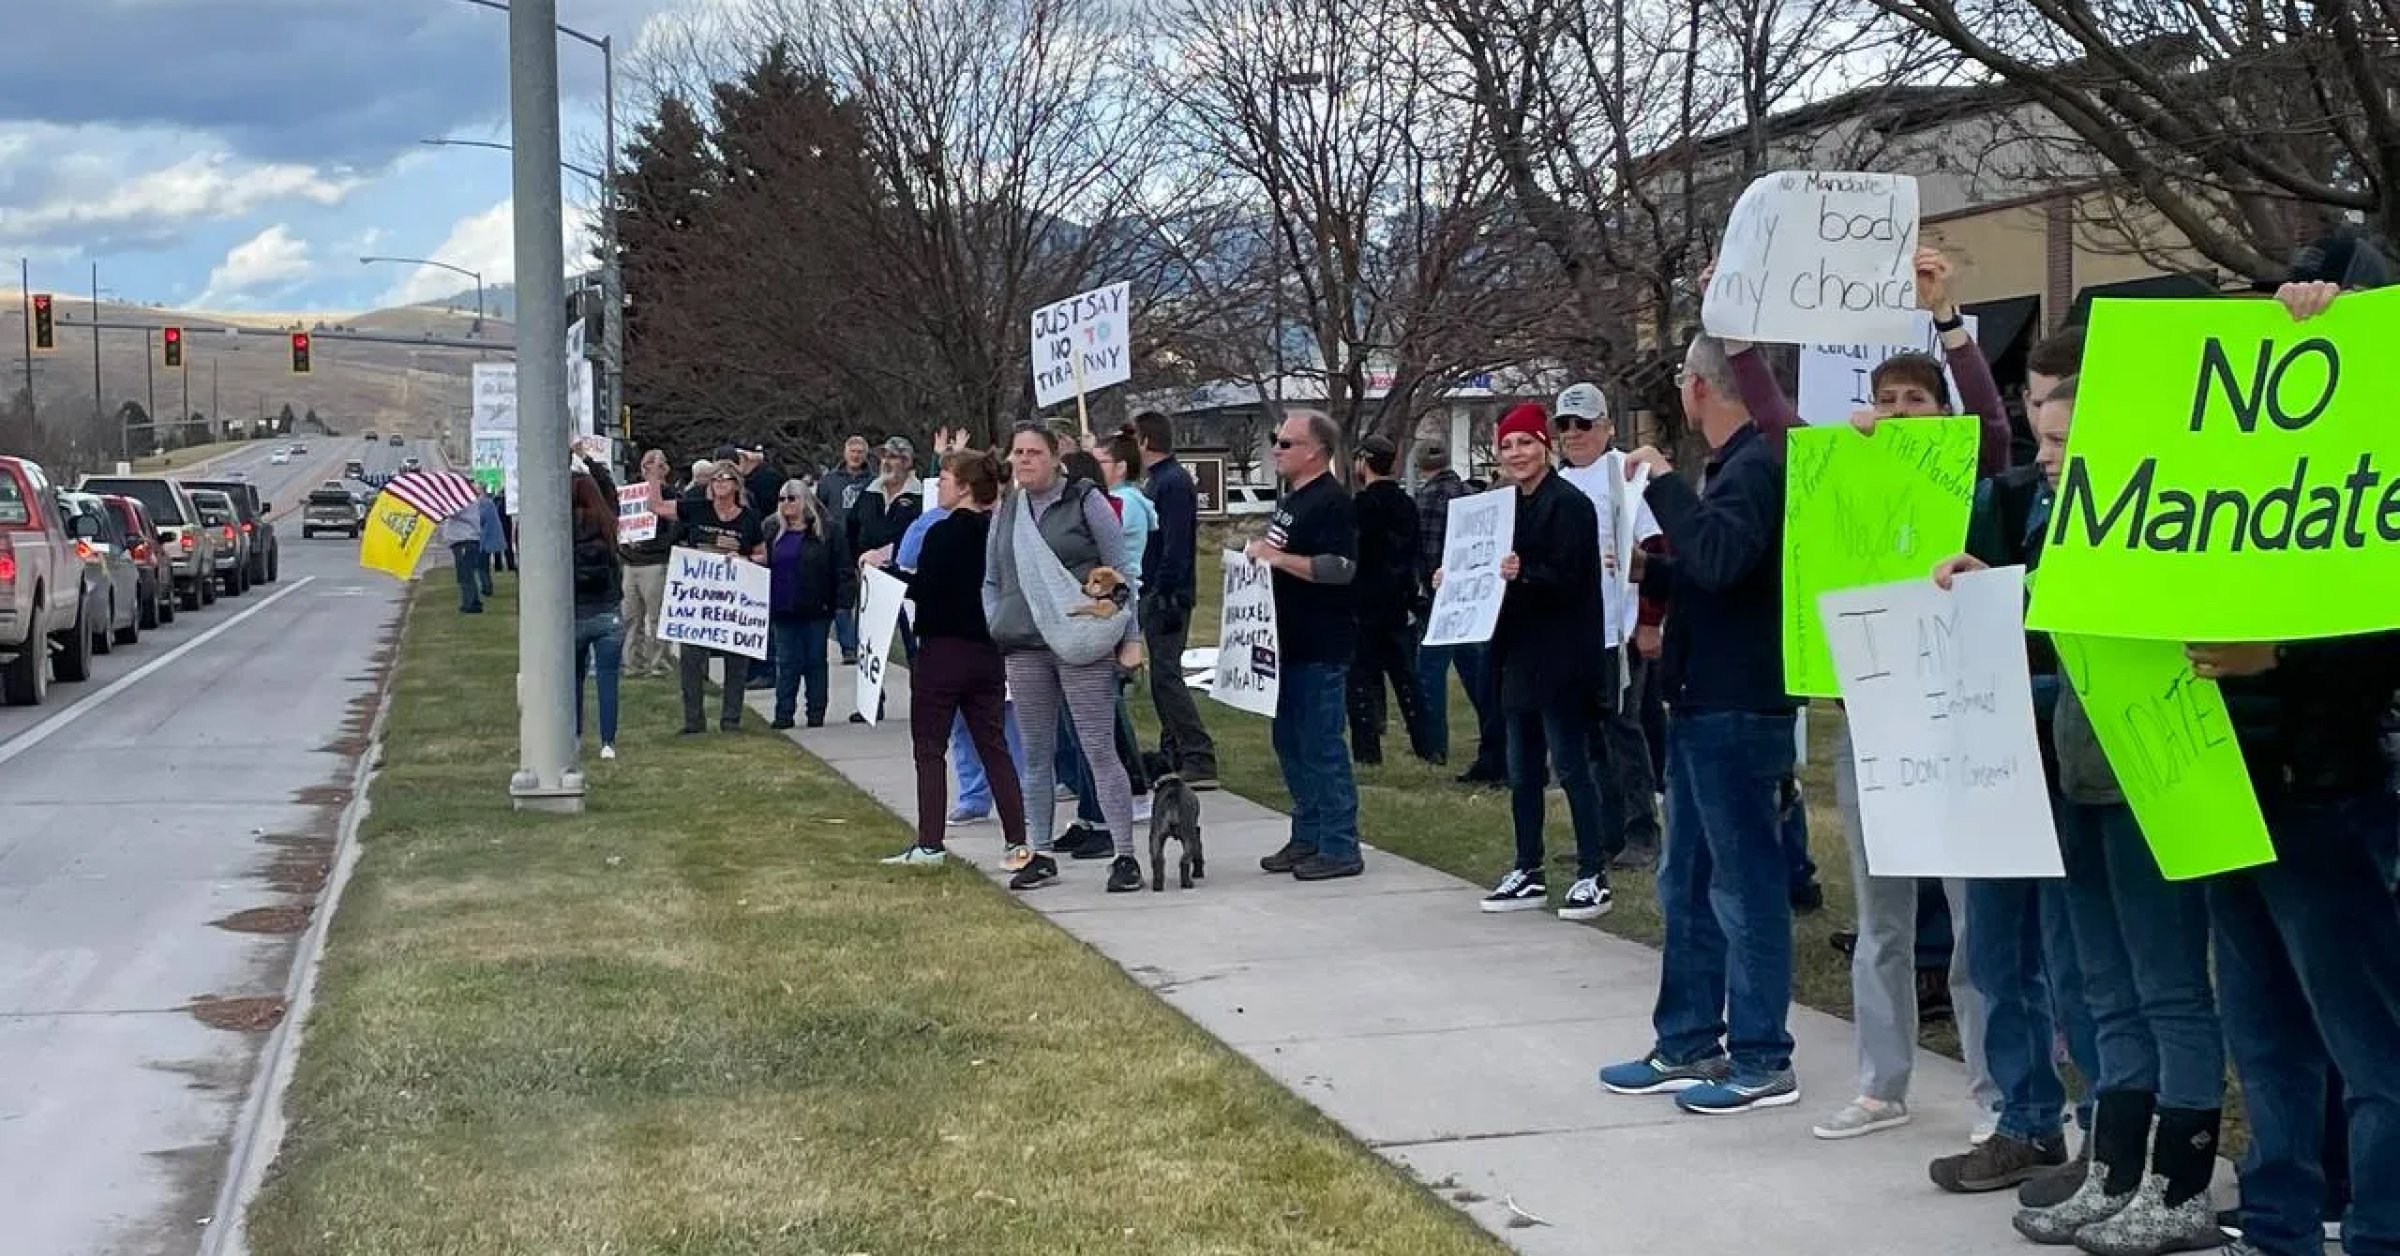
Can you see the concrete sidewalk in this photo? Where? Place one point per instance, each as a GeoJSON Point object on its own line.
{"type": "Point", "coordinates": [1462, 1046]}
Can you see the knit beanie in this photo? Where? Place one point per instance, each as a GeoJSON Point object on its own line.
{"type": "Point", "coordinates": [1526, 419]}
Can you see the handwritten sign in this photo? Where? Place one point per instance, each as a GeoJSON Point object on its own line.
{"type": "Point", "coordinates": [1082, 344]}
{"type": "Point", "coordinates": [492, 430]}
{"type": "Point", "coordinates": [1482, 530]}
{"type": "Point", "coordinates": [1816, 255]}
{"type": "Point", "coordinates": [2228, 448]}
{"type": "Point", "coordinates": [1249, 673]}
{"type": "Point", "coordinates": [636, 522]}
{"type": "Point", "coordinates": [1837, 379]}
{"type": "Point", "coordinates": [1950, 780]}
{"type": "Point", "coordinates": [878, 620]}
{"type": "Point", "coordinates": [715, 601]}
{"type": "Point", "coordinates": [1864, 510]}
{"type": "Point", "coordinates": [2170, 742]}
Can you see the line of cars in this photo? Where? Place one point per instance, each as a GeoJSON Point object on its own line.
{"type": "Point", "coordinates": [86, 570]}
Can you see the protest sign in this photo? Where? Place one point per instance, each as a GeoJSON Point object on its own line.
{"type": "Point", "coordinates": [2170, 742]}
{"type": "Point", "coordinates": [492, 430]}
{"type": "Point", "coordinates": [579, 383]}
{"type": "Point", "coordinates": [2233, 477]}
{"type": "Point", "coordinates": [1837, 379]}
{"type": "Point", "coordinates": [715, 601]}
{"type": "Point", "coordinates": [636, 522]}
{"type": "Point", "coordinates": [878, 620]}
{"type": "Point", "coordinates": [1481, 531]}
{"type": "Point", "coordinates": [1081, 345]}
{"type": "Point", "coordinates": [1864, 510]}
{"type": "Point", "coordinates": [1934, 684]}
{"type": "Point", "coordinates": [1248, 657]}
{"type": "Point", "coordinates": [1811, 256]}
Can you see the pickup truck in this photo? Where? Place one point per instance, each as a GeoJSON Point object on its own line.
{"type": "Point", "coordinates": [41, 588]}
{"type": "Point", "coordinates": [332, 509]}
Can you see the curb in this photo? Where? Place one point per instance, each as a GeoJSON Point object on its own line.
{"type": "Point", "coordinates": [258, 1133]}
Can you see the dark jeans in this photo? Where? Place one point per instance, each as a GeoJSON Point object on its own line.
{"type": "Point", "coordinates": [954, 682]}
{"type": "Point", "coordinates": [1937, 934]}
{"type": "Point", "coordinates": [2141, 943]}
{"type": "Point", "coordinates": [483, 571]}
{"type": "Point", "coordinates": [1182, 738]}
{"type": "Point", "coordinates": [1791, 820]}
{"type": "Point", "coordinates": [1316, 766]}
{"type": "Point", "coordinates": [1434, 665]}
{"type": "Point", "coordinates": [600, 653]}
{"type": "Point", "coordinates": [1491, 726]}
{"type": "Point", "coordinates": [1385, 652]}
{"type": "Point", "coordinates": [2021, 959]}
{"type": "Point", "coordinates": [1724, 892]}
{"type": "Point", "coordinates": [1560, 733]}
{"type": "Point", "coordinates": [845, 632]}
{"type": "Point", "coordinates": [465, 557]}
{"type": "Point", "coordinates": [796, 648]}
{"type": "Point", "coordinates": [2308, 976]}
{"type": "Point", "coordinates": [692, 669]}
{"type": "Point", "coordinates": [1628, 789]}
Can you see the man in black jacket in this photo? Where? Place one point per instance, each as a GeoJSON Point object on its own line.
{"type": "Point", "coordinates": [1169, 590]}
{"type": "Point", "coordinates": [1438, 488]}
{"type": "Point", "coordinates": [1388, 578]}
{"type": "Point", "coordinates": [837, 492]}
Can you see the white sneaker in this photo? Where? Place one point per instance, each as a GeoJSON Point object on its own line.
{"type": "Point", "coordinates": [1588, 899]}
{"type": "Point", "coordinates": [1860, 1117]}
{"type": "Point", "coordinates": [608, 754]}
{"type": "Point", "coordinates": [1518, 891]}
{"type": "Point", "coordinates": [917, 857]}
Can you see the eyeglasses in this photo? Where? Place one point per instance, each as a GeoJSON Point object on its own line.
{"type": "Point", "coordinates": [791, 497]}
{"type": "Point", "coordinates": [1572, 422]}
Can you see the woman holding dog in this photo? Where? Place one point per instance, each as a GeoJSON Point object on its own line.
{"type": "Point", "coordinates": [1052, 533]}
{"type": "Point", "coordinates": [958, 674]}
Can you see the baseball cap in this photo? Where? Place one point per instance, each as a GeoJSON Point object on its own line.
{"type": "Point", "coordinates": [1378, 447]}
{"type": "Point", "coordinates": [727, 453]}
{"type": "Point", "coordinates": [1583, 401]}
{"type": "Point", "coordinates": [899, 445]}
{"type": "Point", "coordinates": [1433, 455]}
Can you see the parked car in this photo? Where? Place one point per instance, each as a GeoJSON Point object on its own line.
{"type": "Point", "coordinates": [113, 580]}
{"type": "Point", "coordinates": [41, 588]}
{"type": "Point", "coordinates": [150, 555]}
{"type": "Point", "coordinates": [266, 556]}
{"type": "Point", "coordinates": [332, 509]}
{"type": "Point", "coordinates": [218, 515]}
{"type": "Point", "coordinates": [191, 546]}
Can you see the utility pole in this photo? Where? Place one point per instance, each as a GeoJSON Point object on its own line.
{"type": "Point", "coordinates": [612, 277]}
{"type": "Point", "coordinates": [150, 379]}
{"type": "Point", "coordinates": [547, 776]}
{"type": "Point", "coordinates": [186, 416]}
{"type": "Point", "coordinates": [33, 408]}
{"type": "Point", "coordinates": [216, 407]}
{"type": "Point", "coordinates": [99, 406]}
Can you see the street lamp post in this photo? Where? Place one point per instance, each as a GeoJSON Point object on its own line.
{"type": "Point", "coordinates": [477, 276]}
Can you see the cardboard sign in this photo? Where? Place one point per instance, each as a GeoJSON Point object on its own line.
{"type": "Point", "coordinates": [878, 622]}
{"type": "Point", "coordinates": [1248, 649]}
{"type": "Point", "coordinates": [1837, 379]}
{"type": "Point", "coordinates": [636, 522]}
{"type": "Point", "coordinates": [1811, 256]}
{"type": "Point", "coordinates": [1082, 345]}
{"type": "Point", "coordinates": [1481, 531]}
{"type": "Point", "coordinates": [716, 602]}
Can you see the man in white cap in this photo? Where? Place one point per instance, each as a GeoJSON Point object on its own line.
{"type": "Point", "coordinates": [1628, 797]}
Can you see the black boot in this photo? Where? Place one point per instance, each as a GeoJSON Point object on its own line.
{"type": "Point", "coordinates": [2186, 1154]}
{"type": "Point", "coordinates": [2121, 1136]}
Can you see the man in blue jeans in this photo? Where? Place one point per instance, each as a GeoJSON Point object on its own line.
{"type": "Point", "coordinates": [1312, 546]}
{"type": "Point", "coordinates": [1438, 487]}
{"type": "Point", "coordinates": [1724, 884]}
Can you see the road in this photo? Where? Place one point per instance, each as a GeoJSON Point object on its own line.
{"type": "Point", "coordinates": [196, 775]}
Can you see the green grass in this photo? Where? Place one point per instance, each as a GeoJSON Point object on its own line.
{"type": "Point", "coordinates": [186, 457]}
{"type": "Point", "coordinates": [698, 1018]}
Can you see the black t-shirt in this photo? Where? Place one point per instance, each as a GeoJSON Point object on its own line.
{"type": "Point", "coordinates": [700, 528]}
{"type": "Point", "coordinates": [1315, 623]}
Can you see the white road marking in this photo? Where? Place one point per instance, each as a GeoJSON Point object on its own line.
{"type": "Point", "coordinates": [43, 731]}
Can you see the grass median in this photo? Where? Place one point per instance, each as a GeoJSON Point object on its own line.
{"type": "Point", "coordinates": [699, 1018]}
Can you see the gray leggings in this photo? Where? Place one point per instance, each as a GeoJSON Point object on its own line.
{"type": "Point", "coordinates": [1040, 683]}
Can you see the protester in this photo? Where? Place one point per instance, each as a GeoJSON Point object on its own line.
{"type": "Point", "coordinates": [959, 673]}
{"type": "Point", "coordinates": [885, 508]}
{"type": "Point", "coordinates": [1169, 591]}
{"type": "Point", "coordinates": [809, 578]}
{"type": "Point", "coordinates": [837, 493]}
{"type": "Point", "coordinates": [1388, 548]}
{"type": "Point", "coordinates": [762, 479]}
{"type": "Point", "coordinates": [1312, 547]}
{"type": "Point", "coordinates": [599, 597]}
{"type": "Point", "coordinates": [492, 542]}
{"type": "Point", "coordinates": [1439, 486]}
{"type": "Point", "coordinates": [1051, 534]}
{"type": "Point", "coordinates": [462, 533]}
{"type": "Point", "coordinates": [723, 523]}
{"type": "Point", "coordinates": [1550, 678]}
{"type": "Point", "coordinates": [645, 573]}
{"type": "Point", "coordinates": [1118, 459]}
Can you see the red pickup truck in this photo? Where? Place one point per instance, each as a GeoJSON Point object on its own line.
{"type": "Point", "coordinates": [41, 588]}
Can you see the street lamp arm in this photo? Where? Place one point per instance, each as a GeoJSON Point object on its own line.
{"type": "Point", "coordinates": [424, 261]}
{"type": "Point", "coordinates": [586, 171]}
{"type": "Point", "coordinates": [568, 31]}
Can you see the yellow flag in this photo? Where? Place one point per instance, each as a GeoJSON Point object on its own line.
{"type": "Point", "coordinates": [395, 537]}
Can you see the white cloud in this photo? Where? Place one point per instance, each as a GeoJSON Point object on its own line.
{"type": "Point", "coordinates": [268, 262]}
{"type": "Point", "coordinates": [71, 183]}
{"type": "Point", "coordinates": [485, 243]}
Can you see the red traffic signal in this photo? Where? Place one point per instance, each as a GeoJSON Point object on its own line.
{"type": "Point", "coordinates": [45, 336]}
{"type": "Point", "coordinates": [300, 353]}
{"type": "Point", "coordinates": [172, 338]}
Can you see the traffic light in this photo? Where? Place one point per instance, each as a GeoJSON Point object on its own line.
{"type": "Point", "coordinates": [300, 353]}
{"type": "Point", "coordinates": [172, 338]}
{"type": "Point", "coordinates": [45, 336]}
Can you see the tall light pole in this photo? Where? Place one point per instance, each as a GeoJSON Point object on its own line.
{"type": "Point", "coordinates": [477, 276]}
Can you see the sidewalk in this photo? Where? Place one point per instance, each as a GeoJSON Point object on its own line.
{"type": "Point", "coordinates": [1462, 1046]}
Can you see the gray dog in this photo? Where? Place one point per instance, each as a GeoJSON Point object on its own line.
{"type": "Point", "coordinates": [1175, 813]}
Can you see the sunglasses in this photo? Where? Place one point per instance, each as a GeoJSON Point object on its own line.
{"type": "Point", "coordinates": [1569, 422]}
{"type": "Point", "coordinates": [789, 497]}
{"type": "Point", "coordinates": [1288, 444]}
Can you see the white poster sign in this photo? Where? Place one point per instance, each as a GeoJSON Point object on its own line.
{"type": "Point", "coordinates": [636, 522]}
{"type": "Point", "coordinates": [1481, 530]}
{"type": "Point", "coordinates": [492, 430]}
{"type": "Point", "coordinates": [1949, 764]}
{"type": "Point", "coordinates": [878, 621]}
{"type": "Point", "coordinates": [1249, 657]}
{"type": "Point", "coordinates": [715, 601]}
{"type": "Point", "coordinates": [1082, 344]}
{"type": "Point", "coordinates": [1811, 256]}
{"type": "Point", "coordinates": [579, 382]}
{"type": "Point", "coordinates": [1836, 379]}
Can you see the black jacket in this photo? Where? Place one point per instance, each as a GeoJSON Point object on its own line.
{"type": "Point", "coordinates": [874, 522]}
{"type": "Point", "coordinates": [1724, 582]}
{"type": "Point", "coordinates": [1387, 553]}
{"type": "Point", "coordinates": [763, 483]}
{"type": "Point", "coordinates": [2005, 530]}
{"type": "Point", "coordinates": [599, 574]}
{"type": "Point", "coordinates": [1544, 645]}
{"type": "Point", "coordinates": [1168, 557]}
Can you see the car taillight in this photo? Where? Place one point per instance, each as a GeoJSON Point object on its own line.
{"type": "Point", "coordinates": [141, 551]}
{"type": "Point", "coordinates": [83, 550]}
{"type": "Point", "coordinates": [229, 532]}
{"type": "Point", "coordinates": [8, 567]}
{"type": "Point", "coordinates": [248, 529]}
{"type": "Point", "coordinates": [188, 544]}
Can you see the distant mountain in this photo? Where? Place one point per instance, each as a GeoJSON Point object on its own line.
{"type": "Point", "coordinates": [499, 302]}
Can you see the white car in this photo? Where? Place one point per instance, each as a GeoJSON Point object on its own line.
{"type": "Point", "coordinates": [280, 458]}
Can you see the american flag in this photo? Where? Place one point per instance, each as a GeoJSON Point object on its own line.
{"type": "Point", "coordinates": [436, 494]}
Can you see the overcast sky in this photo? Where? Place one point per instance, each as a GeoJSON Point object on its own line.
{"type": "Point", "coordinates": [243, 154]}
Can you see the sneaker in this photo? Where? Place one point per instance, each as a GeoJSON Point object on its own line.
{"type": "Point", "coordinates": [1086, 841]}
{"type": "Point", "coordinates": [857, 718]}
{"type": "Point", "coordinates": [816, 721]}
{"type": "Point", "coordinates": [962, 817]}
{"type": "Point", "coordinates": [1741, 1094]}
{"type": "Point", "coordinates": [1323, 868]}
{"type": "Point", "coordinates": [1653, 1075]}
{"type": "Point", "coordinates": [1038, 871]}
{"type": "Point", "coordinates": [1808, 900]}
{"type": "Point", "coordinates": [1015, 858]}
{"type": "Point", "coordinates": [780, 723]}
{"type": "Point", "coordinates": [849, 660]}
{"type": "Point", "coordinates": [1520, 890]}
{"type": "Point", "coordinates": [1860, 1117]}
{"type": "Point", "coordinates": [2058, 1224]}
{"type": "Point", "coordinates": [1998, 1164]}
{"type": "Point", "coordinates": [608, 754]}
{"type": "Point", "coordinates": [1480, 775]}
{"type": "Point", "coordinates": [1124, 875]}
{"type": "Point", "coordinates": [2053, 1188]}
{"type": "Point", "coordinates": [918, 857]}
{"type": "Point", "coordinates": [1589, 899]}
{"type": "Point", "coordinates": [1288, 858]}
{"type": "Point", "coordinates": [2149, 1226]}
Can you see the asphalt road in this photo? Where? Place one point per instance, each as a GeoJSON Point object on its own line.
{"type": "Point", "coordinates": [136, 809]}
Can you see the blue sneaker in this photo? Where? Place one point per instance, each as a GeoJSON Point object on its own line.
{"type": "Point", "coordinates": [1741, 1094]}
{"type": "Point", "coordinates": [1653, 1075]}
